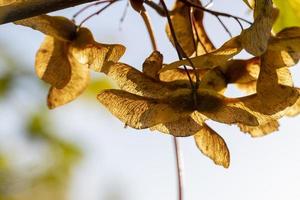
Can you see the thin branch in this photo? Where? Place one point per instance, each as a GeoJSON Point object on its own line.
{"type": "Point", "coordinates": [181, 53]}
{"type": "Point", "coordinates": [241, 25]}
{"type": "Point", "coordinates": [87, 7]}
{"type": "Point", "coordinates": [193, 21]}
{"type": "Point", "coordinates": [178, 48]}
{"type": "Point", "coordinates": [97, 13]}
{"type": "Point", "coordinates": [216, 13]}
{"type": "Point", "coordinates": [160, 10]}
{"type": "Point", "coordinates": [208, 4]}
{"type": "Point", "coordinates": [176, 144]}
{"type": "Point", "coordinates": [179, 165]}
{"type": "Point", "coordinates": [123, 15]}
{"type": "Point", "coordinates": [162, 13]}
{"type": "Point", "coordinates": [175, 140]}
{"type": "Point", "coordinates": [18, 11]}
{"type": "Point", "coordinates": [224, 26]}
{"type": "Point", "coordinates": [195, 40]}
{"type": "Point", "coordinates": [147, 22]}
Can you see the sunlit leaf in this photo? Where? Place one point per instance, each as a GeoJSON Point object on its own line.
{"type": "Point", "coordinates": [153, 64]}
{"type": "Point", "coordinates": [191, 40]}
{"type": "Point", "coordinates": [241, 71]}
{"type": "Point", "coordinates": [66, 56]}
{"type": "Point", "coordinates": [83, 46]}
{"type": "Point", "coordinates": [87, 51]}
{"type": "Point", "coordinates": [294, 110]}
{"type": "Point", "coordinates": [51, 64]}
{"type": "Point", "coordinates": [277, 96]}
{"type": "Point", "coordinates": [275, 91]}
{"type": "Point", "coordinates": [286, 46]}
{"type": "Point", "coordinates": [261, 130]}
{"type": "Point", "coordinates": [80, 76]}
{"type": "Point", "coordinates": [182, 127]}
{"type": "Point", "coordinates": [284, 78]}
{"type": "Point", "coordinates": [285, 58]}
{"type": "Point", "coordinates": [244, 73]}
{"type": "Point", "coordinates": [276, 103]}
{"type": "Point", "coordinates": [213, 146]}
{"type": "Point", "coordinates": [289, 32]}
{"type": "Point", "coordinates": [245, 76]}
{"type": "Point", "coordinates": [289, 14]}
{"type": "Point", "coordinates": [204, 44]}
{"type": "Point", "coordinates": [3, 2]}
{"type": "Point", "coordinates": [139, 112]}
{"type": "Point", "coordinates": [183, 28]}
{"type": "Point", "coordinates": [213, 80]}
{"type": "Point", "coordinates": [7, 2]}
{"type": "Point", "coordinates": [250, 3]}
{"type": "Point", "coordinates": [57, 27]}
{"type": "Point", "coordinates": [170, 99]}
{"type": "Point", "coordinates": [247, 103]}
{"type": "Point", "coordinates": [134, 81]}
{"type": "Point", "coordinates": [255, 38]}
{"type": "Point", "coordinates": [178, 76]}
{"type": "Point", "coordinates": [221, 109]}
{"type": "Point", "coordinates": [212, 59]}
{"type": "Point", "coordinates": [248, 88]}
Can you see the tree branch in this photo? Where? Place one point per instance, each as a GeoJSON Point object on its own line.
{"type": "Point", "coordinates": [18, 11]}
{"type": "Point", "coordinates": [156, 7]}
{"type": "Point", "coordinates": [179, 164]}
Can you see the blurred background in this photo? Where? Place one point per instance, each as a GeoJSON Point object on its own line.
{"type": "Point", "coordinates": [80, 151]}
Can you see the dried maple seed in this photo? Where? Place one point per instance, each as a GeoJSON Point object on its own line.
{"type": "Point", "coordinates": [66, 56]}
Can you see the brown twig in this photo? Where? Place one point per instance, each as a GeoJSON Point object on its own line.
{"type": "Point", "coordinates": [179, 50]}
{"type": "Point", "coordinates": [147, 22]}
{"type": "Point", "coordinates": [215, 13]}
{"type": "Point", "coordinates": [123, 15]}
{"type": "Point", "coordinates": [179, 165]}
{"type": "Point", "coordinates": [175, 140]}
{"type": "Point", "coordinates": [208, 4]}
{"type": "Point", "coordinates": [224, 26]}
{"type": "Point", "coordinates": [156, 7]}
{"type": "Point", "coordinates": [162, 12]}
{"type": "Point", "coordinates": [97, 13]}
{"type": "Point", "coordinates": [182, 54]}
{"type": "Point", "coordinates": [176, 144]}
{"type": "Point", "coordinates": [17, 11]}
{"type": "Point", "coordinates": [87, 7]}
{"type": "Point", "coordinates": [195, 40]}
{"type": "Point", "coordinates": [198, 40]}
{"type": "Point", "coordinates": [240, 24]}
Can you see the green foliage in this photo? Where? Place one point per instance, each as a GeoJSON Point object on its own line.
{"type": "Point", "coordinates": [5, 82]}
{"type": "Point", "coordinates": [51, 181]}
{"type": "Point", "coordinates": [53, 175]}
{"type": "Point", "coordinates": [38, 128]}
{"type": "Point", "coordinates": [289, 15]}
{"type": "Point", "coordinates": [98, 85]}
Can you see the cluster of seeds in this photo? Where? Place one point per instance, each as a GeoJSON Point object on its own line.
{"type": "Point", "coordinates": [175, 100]}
